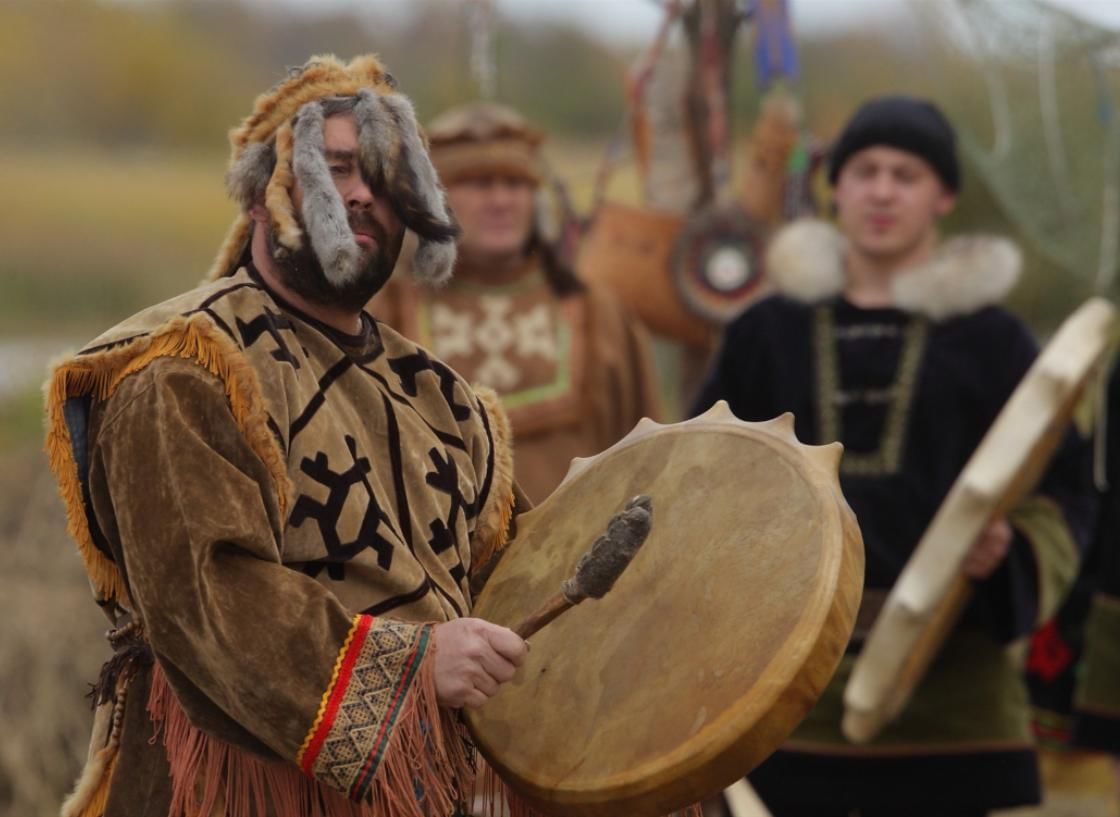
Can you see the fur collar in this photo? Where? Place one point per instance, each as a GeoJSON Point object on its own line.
{"type": "Point", "coordinates": [805, 261]}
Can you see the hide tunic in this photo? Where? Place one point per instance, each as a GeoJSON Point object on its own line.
{"type": "Point", "coordinates": [282, 512]}
{"type": "Point", "coordinates": [910, 396]}
{"type": "Point", "coordinates": [573, 371]}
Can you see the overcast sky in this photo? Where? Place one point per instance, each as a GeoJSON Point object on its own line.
{"type": "Point", "coordinates": [636, 20]}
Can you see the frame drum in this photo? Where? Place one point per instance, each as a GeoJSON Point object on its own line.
{"type": "Point", "coordinates": [712, 645]}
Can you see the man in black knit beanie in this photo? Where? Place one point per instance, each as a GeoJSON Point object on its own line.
{"type": "Point", "coordinates": [884, 337]}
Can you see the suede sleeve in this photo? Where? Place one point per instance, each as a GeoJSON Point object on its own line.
{"type": "Point", "coordinates": [255, 652]}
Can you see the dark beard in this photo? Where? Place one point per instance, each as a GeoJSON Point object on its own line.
{"type": "Point", "coordinates": [302, 272]}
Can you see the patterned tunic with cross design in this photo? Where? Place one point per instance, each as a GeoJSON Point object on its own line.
{"type": "Point", "coordinates": [285, 510]}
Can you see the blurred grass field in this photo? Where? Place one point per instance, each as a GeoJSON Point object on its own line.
{"type": "Point", "coordinates": [91, 237]}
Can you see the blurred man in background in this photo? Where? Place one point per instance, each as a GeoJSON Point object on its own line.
{"type": "Point", "coordinates": [890, 341]}
{"type": "Point", "coordinates": [570, 364]}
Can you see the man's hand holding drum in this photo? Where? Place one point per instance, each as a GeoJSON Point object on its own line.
{"type": "Point", "coordinates": [989, 550]}
{"type": "Point", "coordinates": [473, 658]}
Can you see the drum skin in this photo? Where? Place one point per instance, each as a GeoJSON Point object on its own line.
{"type": "Point", "coordinates": [713, 644]}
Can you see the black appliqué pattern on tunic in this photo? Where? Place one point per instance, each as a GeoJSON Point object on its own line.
{"type": "Point", "coordinates": [270, 323]}
{"type": "Point", "coordinates": [327, 514]}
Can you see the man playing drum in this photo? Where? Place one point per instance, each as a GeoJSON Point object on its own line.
{"type": "Point", "coordinates": [571, 365]}
{"type": "Point", "coordinates": [886, 339]}
{"type": "Point", "coordinates": [280, 501]}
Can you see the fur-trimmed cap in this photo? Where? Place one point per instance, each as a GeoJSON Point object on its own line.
{"type": "Point", "coordinates": [483, 138]}
{"type": "Point", "coordinates": [281, 143]}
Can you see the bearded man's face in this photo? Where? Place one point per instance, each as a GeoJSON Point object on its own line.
{"type": "Point", "coordinates": [376, 228]}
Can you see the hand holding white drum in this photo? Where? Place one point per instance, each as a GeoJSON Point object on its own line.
{"type": "Point", "coordinates": [931, 591]}
{"type": "Point", "coordinates": [712, 645]}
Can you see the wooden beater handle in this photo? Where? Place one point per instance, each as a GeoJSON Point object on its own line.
{"type": "Point", "coordinates": [543, 615]}
{"type": "Point", "coordinates": [599, 568]}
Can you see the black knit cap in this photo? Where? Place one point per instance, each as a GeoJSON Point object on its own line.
{"type": "Point", "coordinates": [904, 122]}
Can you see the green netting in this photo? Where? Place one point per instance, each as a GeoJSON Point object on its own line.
{"type": "Point", "coordinates": [1045, 83]}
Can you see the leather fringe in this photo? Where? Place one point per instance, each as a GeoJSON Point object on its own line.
{"type": "Point", "coordinates": [427, 755]}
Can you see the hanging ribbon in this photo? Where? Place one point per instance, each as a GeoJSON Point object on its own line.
{"type": "Point", "coordinates": [775, 52]}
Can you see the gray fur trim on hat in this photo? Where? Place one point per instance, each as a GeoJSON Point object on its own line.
{"type": "Point", "coordinates": [416, 191]}
{"type": "Point", "coordinates": [378, 139]}
{"type": "Point", "coordinates": [324, 213]}
{"type": "Point", "coordinates": [247, 178]}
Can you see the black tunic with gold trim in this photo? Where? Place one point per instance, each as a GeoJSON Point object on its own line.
{"type": "Point", "coordinates": [910, 392]}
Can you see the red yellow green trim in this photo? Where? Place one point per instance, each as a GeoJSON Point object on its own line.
{"type": "Point", "coordinates": [377, 712]}
{"type": "Point", "coordinates": [328, 706]}
{"type": "Point", "coordinates": [373, 760]}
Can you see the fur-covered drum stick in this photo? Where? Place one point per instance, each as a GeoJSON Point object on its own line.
{"type": "Point", "coordinates": [599, 568]}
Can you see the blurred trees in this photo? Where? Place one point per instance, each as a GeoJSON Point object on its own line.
{"type": "Point", "coordinates": [174, 76]}
{"type": "Point", "coordinates": [179, 74]}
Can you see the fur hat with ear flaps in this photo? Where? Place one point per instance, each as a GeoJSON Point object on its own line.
{"type": "Point", "coordinates": [281, 142]}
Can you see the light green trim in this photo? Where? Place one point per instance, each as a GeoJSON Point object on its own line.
{"type": "Point", "coordinates": [563, 381]}
{"type": "Point", "coordinates": [887, 458]}
{"type": "Point", "coordinates": [424, 323]}
{"type": "Point", "coordinates": [1098, 688]}
{"type": "Point", "coordinates": [1043, 524]}
{"type": "Point", "coordinates": [974, 695]}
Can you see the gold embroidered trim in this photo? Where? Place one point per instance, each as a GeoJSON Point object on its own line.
{"type": "Point", "coordinates": [887, 458]}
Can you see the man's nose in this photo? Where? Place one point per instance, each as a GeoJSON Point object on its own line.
{"type": "Point", "coordinates": [502, 193]}
{"type": "Point", "coordinates": [359, 196]}
{"type": "Point", "coordinates": [882, 186]}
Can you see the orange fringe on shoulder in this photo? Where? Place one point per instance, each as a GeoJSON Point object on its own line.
{"type": "Point", "coordinates": [492, 530]}
{"type": "Point", "coordinates": [98, 375]}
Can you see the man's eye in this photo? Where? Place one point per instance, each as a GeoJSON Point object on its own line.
{"type": "Point", "coordinates": [339, 170]}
